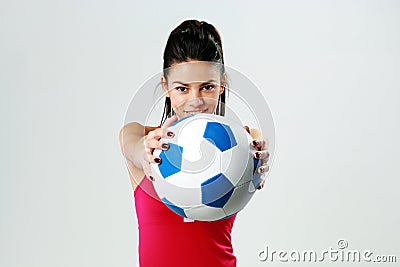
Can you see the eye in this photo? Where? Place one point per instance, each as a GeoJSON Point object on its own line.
{"type": "Point", "coordinates": [181, 89]}
{"type": "Point", "coordinates": [208, 87]}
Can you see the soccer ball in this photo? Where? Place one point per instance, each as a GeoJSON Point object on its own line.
{"type": "Point", "coordinates": [209, 172]}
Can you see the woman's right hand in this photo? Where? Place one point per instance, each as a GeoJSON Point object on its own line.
{"type": "Point", "coordinates": [152, 141]}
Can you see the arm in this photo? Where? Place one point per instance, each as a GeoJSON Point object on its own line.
{"type": "Point", "coordinates": [131, 138]}
{"type": "Point", "coordinates": [137, 143]}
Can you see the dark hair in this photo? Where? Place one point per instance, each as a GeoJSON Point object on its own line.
{"type": "Point", "coordinates": [193, 40]}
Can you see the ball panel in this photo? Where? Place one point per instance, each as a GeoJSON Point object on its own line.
{"type": "Point", "coordinates": [240, 197]}
{"type": "Point", "coordinates": [180, 196]}
{"type": "Point", "coordinates": [235, 164]}
{"type": "Point", "coordinates": [256, 176]}
{"type": "Point", "coordinates": [215, 192]}
{"type": "Point", "coordinates": [190, 135]}
{"type": "Point", "coordinates": [205, 213]}
{"type": "Point", "coordinates": [171, 160]}
{"type": "Point", "coordinates": [220, 202]}
{"type": "Point", "coordinates": [208, 165]}
{"type": "Point", "coordinates": [220, 135]}
{"type": "Point", "coordinates": [236, 161]}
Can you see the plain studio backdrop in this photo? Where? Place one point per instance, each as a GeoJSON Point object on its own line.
{"type": "Point", "coordinates": [68, 70]}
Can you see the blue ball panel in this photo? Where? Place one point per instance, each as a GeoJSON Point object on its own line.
{"type": "Point", "coordinates": [256, 176]}
{"type": "Point", "coordinates": [216, 191]}
{"type": "Point", "coordinates": [174, 208]}
{"type": "Point", "coordinates": [220, 134]}
{"type": "Point", "coordinates": [256, 162]}
{"type": "Point", "coordinates": [171, 160]}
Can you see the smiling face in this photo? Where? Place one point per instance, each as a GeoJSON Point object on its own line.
{"type": "Point", "coordinates": [193, 87]}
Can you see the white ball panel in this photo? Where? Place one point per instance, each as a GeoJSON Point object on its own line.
{"type": "Point", "coordinates": [207, 166]}
{"type": "Point", "coordinates": [191, 137]}
{"type": "Point", "coordinates": [205, 213]}
{"type": "Point", "coordinates": [239, 199]}
{"type": "Point", "coordinates": [180, 196]}
{"type": "Point", "coordinates": [193, 180]}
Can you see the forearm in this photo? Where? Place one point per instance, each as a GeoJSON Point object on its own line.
{"type": "Point", "coordinates": [132, 137]}
{"type": "Point", "coordinates": [131, 141]}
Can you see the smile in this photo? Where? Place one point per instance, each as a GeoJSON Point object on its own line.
{"type": "Point", "coordinates": [193, 112]}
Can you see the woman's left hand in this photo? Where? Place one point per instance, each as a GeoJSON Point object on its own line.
{"type": "Point", "coordinates": [260, 143]}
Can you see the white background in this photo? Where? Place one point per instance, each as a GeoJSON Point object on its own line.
{"type": "Point", "coordinates": [68, 69]}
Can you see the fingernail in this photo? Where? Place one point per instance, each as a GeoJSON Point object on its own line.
{"type": "Point", "coordinates": [255, 143]}
{"type": "Point", "coordinates": [157, 160]}
{"type": "Point", "coordinates": [165, 146]}
{"type": "Point", "coordinates": [170, 134]}
{"type": "Point", "coordinates": [261, 169]}
{"type": "Point", "coordinates": [257, 155]}
{"type": "Point", "coordinates": [260, 186]}
{"type": "Point", "coordinates": [151, 178]}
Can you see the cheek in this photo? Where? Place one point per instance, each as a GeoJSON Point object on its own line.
{"type": "Point", "coordinates": [176, 100]}
{"type": "Point", "coordinates": [212, 101]}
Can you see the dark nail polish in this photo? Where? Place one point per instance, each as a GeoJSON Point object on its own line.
{"type": "Point", "coordinates": [170, 134]}
{"type": "Point", "coordinates": [257, 155]}
{"type": "Point", "coordinates": [255, 143]}
{"type": "Point", "coordinates": [157, 160]}
{"type": "Point", "coordinates": [151, 178]}
{"type": "Point", "coordinates": [259, 187]}
{"type": "Point", "coordinates": [261, 170]}
{"type": "Point", "coordinates": [165, 146]}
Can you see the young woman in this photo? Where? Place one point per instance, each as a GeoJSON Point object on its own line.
{"type": "Point", "coordinates": [193, 81]}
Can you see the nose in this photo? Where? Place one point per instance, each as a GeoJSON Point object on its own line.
{"type": "Point", "coordinates": [196, 99]}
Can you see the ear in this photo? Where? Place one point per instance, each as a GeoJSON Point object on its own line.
{"type": "Point", "coordinates": [164, 86]}
{"type": "Point", "coordinates": [223, 84]}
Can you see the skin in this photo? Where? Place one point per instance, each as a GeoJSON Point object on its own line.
{"type": "Point", "coordinates": [192, 87]}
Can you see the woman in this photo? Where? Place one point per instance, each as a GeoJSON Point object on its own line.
{"type": "Point", "coordinates": [193, 81]}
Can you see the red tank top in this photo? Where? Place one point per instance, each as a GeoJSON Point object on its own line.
{"type": "Point", "coordinates": [166, 240]}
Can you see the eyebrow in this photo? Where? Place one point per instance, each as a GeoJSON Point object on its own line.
{"type": "Point", "coordinates": [186, 84]}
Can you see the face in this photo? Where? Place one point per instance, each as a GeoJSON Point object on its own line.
{"type": "Point", "coordinates": [193, 87]}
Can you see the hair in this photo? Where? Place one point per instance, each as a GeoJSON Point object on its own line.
{"type": "Point", "coordinates": [193, 40]}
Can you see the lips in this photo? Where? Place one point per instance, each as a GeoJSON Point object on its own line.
{"type": "Point", "coordinates": [193, 112]}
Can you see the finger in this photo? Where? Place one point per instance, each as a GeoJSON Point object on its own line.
{"type": "Point", "coordinates": [258, 144]}
{"type": "Point", "coordinates": [262, 182]}
{"type": "Point", "coordinates": [263, 169]}
{"type": "Point", "coordinates": [247, 128]}
{"type": "Point", "coordinates": [258, 136]}
{"type": "Point", "coordinates": [156, 144]}
{"type": "Point", "coordinates": [262, 154]}
{"type": "Point", "coordinates": [155, 134]}
{"type": "Point", "coordinates": [169, 121]}
{"type": "Point", "coordinates": [150, 158]}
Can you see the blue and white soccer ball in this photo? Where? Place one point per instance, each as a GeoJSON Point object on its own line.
{"type": "Point", "coordinates": [209, 172]}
